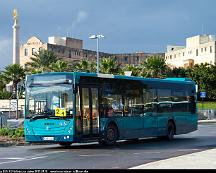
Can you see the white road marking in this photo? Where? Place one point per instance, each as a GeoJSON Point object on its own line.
{"type": "Point", "coordinates": [27, 158]}
{"type": "Point", "coordinates": [11, 158]}
{"type": "Point", "coordinates": [23, 159]}
{"type": "Point", "coordinates": [188, 149]}
{"type": "Point", "coordinates": [94, 155]}
{"type": "Point", "coordinates": [148, 152]}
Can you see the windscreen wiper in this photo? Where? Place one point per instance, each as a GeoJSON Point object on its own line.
{"type": "Point", "coordinates": [35, 117]}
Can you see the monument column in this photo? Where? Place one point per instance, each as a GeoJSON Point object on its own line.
{"type": "Point", "coordinates": [16, 47]}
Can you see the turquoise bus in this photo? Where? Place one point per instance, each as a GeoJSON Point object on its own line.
{"type": "Point", "coordinates": [75, 107]}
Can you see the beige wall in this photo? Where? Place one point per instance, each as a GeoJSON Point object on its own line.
{"type": "Point", "coordinates": [197, 50]}
{"type": "Point", "coordinates": [32, 42]}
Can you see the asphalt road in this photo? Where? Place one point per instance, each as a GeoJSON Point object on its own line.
{"type": "Point", "coordinates": [124, 155]}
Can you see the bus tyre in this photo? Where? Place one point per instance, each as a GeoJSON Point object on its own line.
{"type": "Point", "coordinates": [170, 131]}
{"type": "Point", "coordinates": [111, 135]}
{"type": "Point", "coordinates": [65, 144]}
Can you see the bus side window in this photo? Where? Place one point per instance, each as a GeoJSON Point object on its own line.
{"type": "Point", "coordinates": [111, 105]}
{"type": "Point", "coordinates": [192, 101]}
{"type": "Point", "coordinates": [180, 102]}
{"type": "Point", "coordinates": [164, 107]}
{"type": "Point", "coordinates": [133, 104]}
{"type": "Point", "coordinates": [164, 100]}
{"type": "Point", "coordinates": [150, 100]}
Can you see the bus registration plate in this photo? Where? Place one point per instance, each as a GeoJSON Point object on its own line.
{"type": "Point", "coordinates": [48, 138]}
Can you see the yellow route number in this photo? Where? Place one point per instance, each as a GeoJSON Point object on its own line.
{"type": "Point", "coordinates": [60, 112]}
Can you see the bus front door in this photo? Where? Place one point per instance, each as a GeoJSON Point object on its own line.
{"type": "Point", "coordinates": [90, 112]}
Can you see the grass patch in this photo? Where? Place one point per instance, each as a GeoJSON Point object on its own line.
{"type": "Point", "coordinates": [207, 105]}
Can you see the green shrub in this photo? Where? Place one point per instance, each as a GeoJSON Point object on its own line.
{"type": "Point", "coordinates": [5, 95]}
{"type": "Point", "coordinates": [6, 131]}
{"type": "Point", "coordinates": [19, 132]}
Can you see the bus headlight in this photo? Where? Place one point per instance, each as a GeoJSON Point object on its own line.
{"type": "Point", "coordinates": [70, 130]}
{"type": "Point", "coordinates": [28, 131]}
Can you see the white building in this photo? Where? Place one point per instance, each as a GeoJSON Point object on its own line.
{"type": "Point", "coordinates": [199, 49]}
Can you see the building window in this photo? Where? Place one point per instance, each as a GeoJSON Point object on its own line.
{"type": "Point", "coordinates": [126, 59]}
{"type": "Point", "coordinates": [197, 52]}
{"type": "Point", "coordinates": [40, 49]}
{"type": "Point", "coordinates": [183, 53]}
{"type": "Point", "coordinates": [201, 49]}
{"type": "Point", "coordinates": [210, 49]}
{"type": "Point", "coordinates": [205, 49]}
{"type": "Point", "coordinates": [26, 52]}
{"type": "Point", "coordinates": [33, 51]}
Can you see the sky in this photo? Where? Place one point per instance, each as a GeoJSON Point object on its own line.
{"type": "Point", "coordinates": [128, 25]}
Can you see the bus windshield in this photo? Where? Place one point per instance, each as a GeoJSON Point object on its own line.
{"type": "Point", "coordinates": [55, 100]}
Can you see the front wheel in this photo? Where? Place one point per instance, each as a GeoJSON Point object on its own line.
{"type": "Point", "coordinates": [110, 137]}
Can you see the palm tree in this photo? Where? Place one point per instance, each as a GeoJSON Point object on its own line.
{"type": "Point", "coordinates": [179, 72]}
{"type": "Point", "coordinates": [42, 60]}
{"type": "Point", "coordinates": [2, 84]}
{"type": "Point", "coordinates": [135, 69]}
{"type": "Point", "coordinates": [155, 67]}
{"type": "Point", "coordinates": [110, 66]}
{"type": "Point", "coordinates": [13, 73]}
{"type": "Point", "coordinates": [85, 66]}
{"type": "Point", "coordinates": [59, 66]}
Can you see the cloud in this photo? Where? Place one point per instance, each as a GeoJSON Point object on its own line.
{"type": "Point", "coordinates": [5, 52]}
{"type": "Point", "coordinates": [80, 17]}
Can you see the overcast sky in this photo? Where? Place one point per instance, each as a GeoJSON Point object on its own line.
{"type": "Point", "coordinates": [128, 25]}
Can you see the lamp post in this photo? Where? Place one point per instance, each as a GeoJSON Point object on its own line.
{"type": "Point", "coordinates": [97, 37]}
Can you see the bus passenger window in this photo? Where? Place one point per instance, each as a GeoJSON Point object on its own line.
{"type": "Point", "coordinates": [165, 107]}
{"type": "Point", "coordinates": [192, 102]}
{"type": "Point", "coordinates": [164, 95]}
{"type": "Point", "coordinates": [133, 104]}
{"type": "Point", "coordinates": [180, 102]}
{"type": "Point", "coordinates": [150, 100]}
{"type": "Point", "coordinates": [111, 106]}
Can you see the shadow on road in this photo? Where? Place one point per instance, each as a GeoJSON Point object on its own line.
{"type": "Point", "coordinates": [141, 144]}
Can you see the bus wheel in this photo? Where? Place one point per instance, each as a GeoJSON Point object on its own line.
{"type": "Point", "coordinates": [170, 131]}
{"type": "Point", "coordinates": [65, 144]}
{"type": "Point", "coordinates": [111, 136]}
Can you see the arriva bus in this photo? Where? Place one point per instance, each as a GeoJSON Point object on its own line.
{"type": "Point", "coordinates": [66, 108]}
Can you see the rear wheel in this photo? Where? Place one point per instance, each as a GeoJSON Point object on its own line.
{"type": "Point", "coordinates": [111, 136]}
{"type": "Point", "coordinates": [170, 131]}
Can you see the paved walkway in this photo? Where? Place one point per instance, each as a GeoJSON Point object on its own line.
{"type": "Point", "coordinates": [200, 160]}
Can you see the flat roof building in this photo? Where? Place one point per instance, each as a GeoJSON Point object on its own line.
{"type": "Point", "coordinates": [71, 50]}
{"type": "Point", "coordinates": [199, 49]}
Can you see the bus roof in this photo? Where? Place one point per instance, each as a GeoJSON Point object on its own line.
{"type": "Point", "coordinates": [111, 76]}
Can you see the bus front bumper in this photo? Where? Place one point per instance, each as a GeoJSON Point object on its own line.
{"type": "Point", "coordinates": [48, 139]}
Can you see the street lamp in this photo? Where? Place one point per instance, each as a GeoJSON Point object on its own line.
{"type": "Point", "coordinates": [97, 37]}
